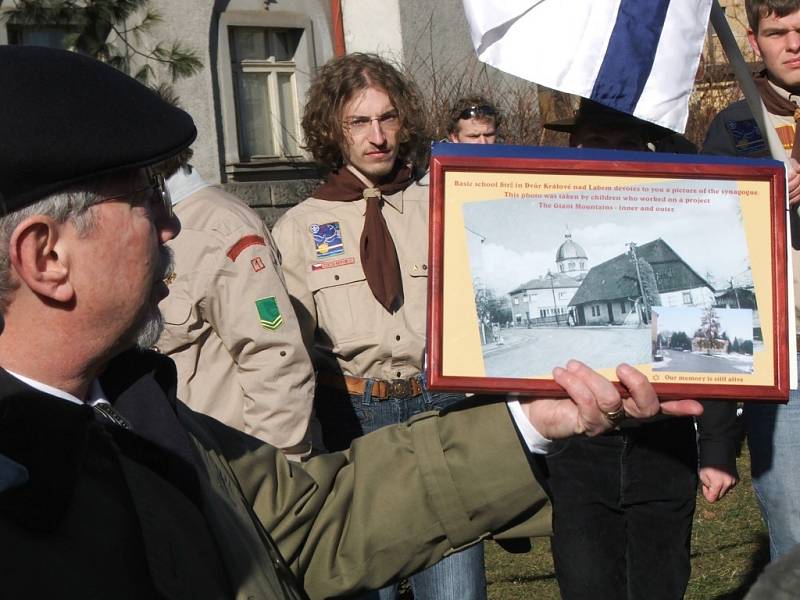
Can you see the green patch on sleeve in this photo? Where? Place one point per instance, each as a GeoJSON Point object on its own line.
{"type": "Point", "coordinates": [268, 313]}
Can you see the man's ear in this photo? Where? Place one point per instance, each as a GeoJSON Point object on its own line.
{"type": "Point", "coordinates": [752, 38]}
{"type": "Point", "coordinates": [453, 137]}
{"type": "Point", "coordinates": [40, 257]}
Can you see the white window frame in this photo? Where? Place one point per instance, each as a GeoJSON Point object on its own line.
{"type": "Point", "coordinates": [271, 68]}
{"type": "Point", "coordinates": [304, 64]}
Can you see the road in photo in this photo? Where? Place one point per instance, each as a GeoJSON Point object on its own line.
{"type": "Point", "coordinates": [535, 352]}
{"type": "Point", "coordinates": [697, 362]}
{"type": "Point", "coordinates": [685, 361]}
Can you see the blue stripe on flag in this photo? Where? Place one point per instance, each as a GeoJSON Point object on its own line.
{"type": "Point", "coordinates": [630, 53]}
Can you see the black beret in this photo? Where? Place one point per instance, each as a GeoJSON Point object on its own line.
{"type": "Point", "coordinates": [67, 118]}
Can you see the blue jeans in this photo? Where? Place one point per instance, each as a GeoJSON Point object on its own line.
{"type": "Point", "coordinates": [773, 436]}
{"type": "Point", "coordinates": [343, 418]}
{"type": "Point", "coordinates": [622, 512]}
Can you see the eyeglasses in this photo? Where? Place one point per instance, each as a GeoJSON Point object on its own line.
{"type": "Point", "coordinates": [476, 112]}
{"type": "Point", "coordinates": [154, 195]}
{"type": "Point", "coordinates": [388, 121]}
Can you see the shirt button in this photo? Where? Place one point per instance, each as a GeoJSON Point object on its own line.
{"type": "Point", "coordinates": [336, 277]}
{"type": "Point", "coordinates": [283, 352]}
{"type": "Point", "coordinates": [397, 337]}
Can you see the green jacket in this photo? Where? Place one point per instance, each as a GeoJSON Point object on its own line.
{"type": "Point", "coordinates": [189, 508]}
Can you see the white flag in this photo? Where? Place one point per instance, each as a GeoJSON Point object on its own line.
{"type": "Point", "coordinates": [636, 56]}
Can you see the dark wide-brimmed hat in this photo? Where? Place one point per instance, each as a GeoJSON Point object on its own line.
{"type": "Point", "coordinates": [591, 112]}
{"type": "Point", "coordinates": [66, 119]}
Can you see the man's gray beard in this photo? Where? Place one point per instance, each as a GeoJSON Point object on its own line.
{"type": "Point", "coordinates": [153, 324]}
{"type": "Point", "coordinates": [150, 330]}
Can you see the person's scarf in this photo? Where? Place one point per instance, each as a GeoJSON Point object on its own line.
{"type": "Point", "coordinates": [778, 105]}
{"type": "Point", "coordinates": [783, 107]}
{"type": "Point", "coordinates": [378, 253]}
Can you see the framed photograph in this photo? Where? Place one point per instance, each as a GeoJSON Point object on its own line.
{"type": "Point", "coordinates": [674, 264]}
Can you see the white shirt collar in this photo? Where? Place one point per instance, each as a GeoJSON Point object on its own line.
{"type": "Point", "coordinates": [185, 182]}
{"type": "Point", "coordinates": [96, 393]}
{"type": "Point", "coordinates": [785, 93]}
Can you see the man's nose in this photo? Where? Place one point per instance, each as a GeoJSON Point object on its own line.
{"type": "Point", "coordinates": [793, 41]}
{"type": "Point", "coordinates": [168, 228]}
{"type": "Point", "coordinates": [376, 135]}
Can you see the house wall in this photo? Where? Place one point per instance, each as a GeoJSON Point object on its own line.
{"type": "Point", "coordinates": [589, 319]}
{"type": "Point", "coordinates": [700, 296]}
{"type": "Point", "coordinates": [617, 313]}
{"type": "Point", "coordinates": [617, 309]}
{"type": "Point", "coordinates": [519, 308]}
{"type": "Point", "coordinates": [430, 39]}
{"type": "Point", "coordinates": [532, 302]}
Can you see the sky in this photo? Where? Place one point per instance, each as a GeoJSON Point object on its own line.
{"type": "Point", "coordinates": [521, 239]}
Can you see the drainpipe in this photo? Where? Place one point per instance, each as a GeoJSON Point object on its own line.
{"type": "Point", "coordinates": [338, 28]}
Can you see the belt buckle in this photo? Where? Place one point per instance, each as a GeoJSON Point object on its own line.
{"type": "Point", "coordinates": [400, 388]}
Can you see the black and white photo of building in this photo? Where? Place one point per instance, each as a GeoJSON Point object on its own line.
{"type": "Point", "coordinates": [582, 284]}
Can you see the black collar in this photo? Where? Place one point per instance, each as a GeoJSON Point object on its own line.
{"type": "Point", "coordinates": [47, 435]}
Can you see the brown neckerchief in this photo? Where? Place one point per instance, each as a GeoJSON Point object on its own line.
{"type": "Point", "coordinates": [783, 107]}
{"type": "Point", "coordinates": [378, 253]}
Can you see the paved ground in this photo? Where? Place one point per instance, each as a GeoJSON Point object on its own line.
{"type": "Point", "coordinates": [695, 362]}
{"type": "Point", "coordinates": [534, 352]}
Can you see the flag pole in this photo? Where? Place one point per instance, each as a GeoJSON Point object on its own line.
{"type": "Point", "coordinates": [776, 149]}
{"type": "Point", "coordinates": [746, 83]}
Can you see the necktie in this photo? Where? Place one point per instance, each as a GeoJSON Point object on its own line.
{"type": "Point", "coordinates": [108, 413]}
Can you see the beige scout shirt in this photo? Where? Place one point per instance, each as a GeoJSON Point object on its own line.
{"type": "Point", "coordinates": [255, 378]}
{"type": "Point", "coordinates": [339, 317]}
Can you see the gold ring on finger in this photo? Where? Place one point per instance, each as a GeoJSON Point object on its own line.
{"type": "Point", "coordinates": [615, 417]}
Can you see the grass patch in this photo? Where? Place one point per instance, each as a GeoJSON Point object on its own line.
{"type": "Point", "coordinates": [729, 550]}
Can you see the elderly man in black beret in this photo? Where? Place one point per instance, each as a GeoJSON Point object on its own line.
{"type": "Point", "coordinates": [109, 486]}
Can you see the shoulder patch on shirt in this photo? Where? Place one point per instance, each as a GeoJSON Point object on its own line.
{"type": "Point", "coordinates": [243, 244]}
{"type": "Point", "coordinates": [786, 136]}
{"type": "Point", "coordinates": [746, 136]}
{"type": "Point", "coordinates": [257, 264]}
{"type": "Point", "coordinates": [327, 239]}
{"type": "Point", "coordinates": [268, 313]}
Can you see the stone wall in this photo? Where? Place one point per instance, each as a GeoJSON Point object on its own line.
{"type": "Point", "coordinates": [273, 198]}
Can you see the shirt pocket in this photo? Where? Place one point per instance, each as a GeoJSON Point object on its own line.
{"type": "Point", "coordinates": [415, 292]}
{"type": "Point", "coordinates": [179, 330]}
{"type": "Point", "coordinates": [346, 309]}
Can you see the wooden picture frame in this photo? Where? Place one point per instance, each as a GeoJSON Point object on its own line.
{"type": "Point", "coordinates": [661, 261]}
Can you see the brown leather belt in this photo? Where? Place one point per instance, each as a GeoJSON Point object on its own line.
{"type": "Point", "coordinates": [381, 388]}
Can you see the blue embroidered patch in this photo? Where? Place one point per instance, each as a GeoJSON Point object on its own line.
{"type": "Point", "coordinates": [327, 239]}
{"type": "Point", "coordinates": [746, 136]}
